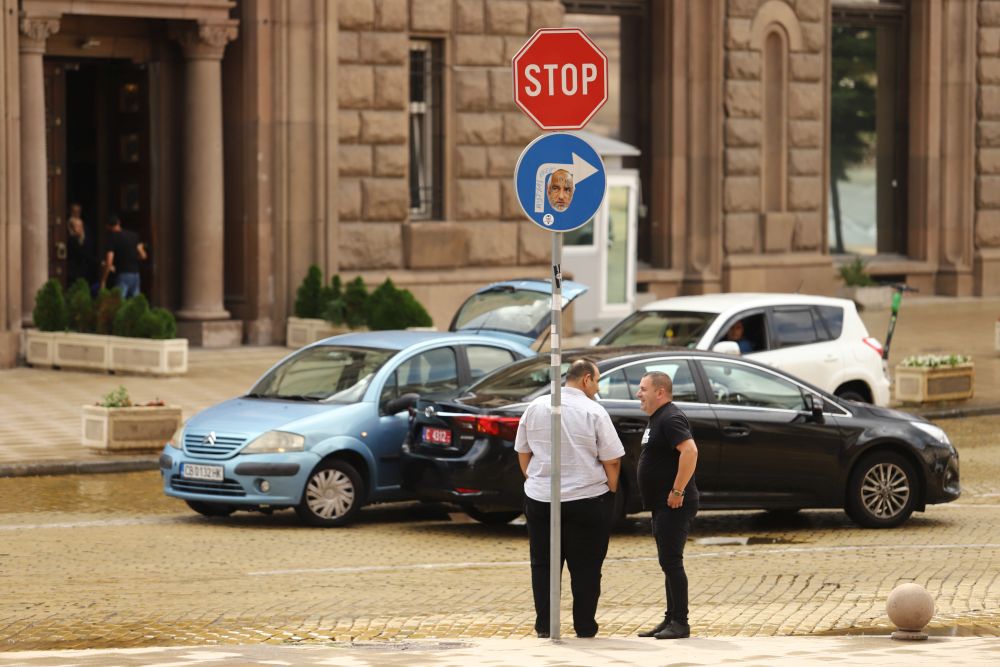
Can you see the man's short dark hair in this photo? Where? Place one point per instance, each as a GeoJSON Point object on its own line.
{"type": "Point", "coordinates": [113, 219]}
{"type": "Point", "coordinates": [659, 379]}
{"type": "Point", "coordinates": [580, 369]}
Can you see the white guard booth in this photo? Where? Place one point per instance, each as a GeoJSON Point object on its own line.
{"type": "Point", "coordinates": [602, 253]}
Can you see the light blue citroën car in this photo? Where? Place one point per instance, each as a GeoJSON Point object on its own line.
{"type": "Point", "coordinates": [321, 431]}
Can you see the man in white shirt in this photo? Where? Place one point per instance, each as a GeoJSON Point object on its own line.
{"type": "Point", "coordinates": [591, 455]}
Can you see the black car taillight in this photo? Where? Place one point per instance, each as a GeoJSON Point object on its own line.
{"type": "Point", "coordinates": [504, 428]}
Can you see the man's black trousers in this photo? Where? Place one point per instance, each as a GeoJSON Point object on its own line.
{"type": "Point", "coordinates": [670, 529]}
{"type": "Point", "coordinates": [586, 529]}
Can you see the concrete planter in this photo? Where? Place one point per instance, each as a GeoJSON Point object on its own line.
{"type": "Point", "coordinates": [300, 331]}
{"type": "Point", "coordinates": [943, 383]}
{"type": "Point", "coordinates": [144, 428]}
{"type": "Point", "coordinates": [106, 353]}
{"type": "Point", "coordinates": [868, 298]}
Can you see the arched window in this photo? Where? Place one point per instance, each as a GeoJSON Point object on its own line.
{"type": "Point", "coordinates": [775, 89]}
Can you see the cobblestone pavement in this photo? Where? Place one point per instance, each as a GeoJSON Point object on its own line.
{"type": "Point", "coordinates": [102, 561]}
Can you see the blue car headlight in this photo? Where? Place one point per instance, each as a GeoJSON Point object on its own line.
{"type": "Point", "coordinates": [276, 442]}
{"type": "Point", "coordinates": [933, 431]}
{"type": "Point", "coordinates": [176, 440]}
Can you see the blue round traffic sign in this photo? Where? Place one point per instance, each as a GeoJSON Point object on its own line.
{"type": "Point", "coordinates": [560, 181]}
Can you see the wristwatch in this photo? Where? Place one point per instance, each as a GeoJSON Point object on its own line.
{"type": "Point", "coordinates": [677, 492]}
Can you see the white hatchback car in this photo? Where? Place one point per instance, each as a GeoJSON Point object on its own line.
{"type": "Point", "coordinates": [820, 339]}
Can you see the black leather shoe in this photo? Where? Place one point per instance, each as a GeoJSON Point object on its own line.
{"type": "Point", "coordinates": [543, 635]}
{"type": "Point", "coordinates": [588, 635]}
{"type": "Point", "coordinates": [659, 628]}
{"type": "Point", "coordinates": [674, 631]}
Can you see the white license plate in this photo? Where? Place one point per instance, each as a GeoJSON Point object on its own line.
{"type": "Point", "coordinates": [197, 471]}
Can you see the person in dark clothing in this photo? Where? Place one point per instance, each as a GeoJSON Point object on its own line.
{"type": "Point", "coordinates": [667, 486]}
{"type": "Point", "coordinates": [81, 253]}
{"type": "Point", "coordinates": [124, 251]}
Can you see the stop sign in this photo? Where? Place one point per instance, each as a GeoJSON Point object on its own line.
{"type": "Point", "coordinates": [560, 78]}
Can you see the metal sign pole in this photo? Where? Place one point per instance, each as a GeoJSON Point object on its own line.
{"type": "Point", "coordinates": [555, 506]}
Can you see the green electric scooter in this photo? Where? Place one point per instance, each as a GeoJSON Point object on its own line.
{"type": "Point", "coordinates": [897, 298]}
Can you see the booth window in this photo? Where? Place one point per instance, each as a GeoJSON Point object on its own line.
{"type": "Point", "coordinates": [426, 129]}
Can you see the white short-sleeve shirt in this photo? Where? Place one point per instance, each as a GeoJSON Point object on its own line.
{"type": "Point", "coordinates": [588, 437]}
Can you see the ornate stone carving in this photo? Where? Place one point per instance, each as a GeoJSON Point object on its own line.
{"type": "Point", "coordinates": [35, 30]}
{"type": "Point", "coordinates": [204, 39]}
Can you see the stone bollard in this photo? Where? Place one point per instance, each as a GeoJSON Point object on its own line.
{"type": "Point", "coordinates": [909, 607]}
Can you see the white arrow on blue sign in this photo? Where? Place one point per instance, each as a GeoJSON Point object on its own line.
{"type": "Point", "coordinates": [560, 182]}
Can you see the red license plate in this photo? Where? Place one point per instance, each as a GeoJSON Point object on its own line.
{"type": "Point", "coordinates": [437, 436]}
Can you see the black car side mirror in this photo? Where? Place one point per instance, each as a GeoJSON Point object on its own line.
{"type": "Point", "coordinates": [814, 405]}
{"type": "Point", "coordinates": [397, 405]}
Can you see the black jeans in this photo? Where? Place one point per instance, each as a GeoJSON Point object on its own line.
{"type": "Point", "coordinates": [670, 530]}
{"type": "Point", "coordinates": [585, 530]}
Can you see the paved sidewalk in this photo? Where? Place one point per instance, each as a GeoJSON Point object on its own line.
{"type": "Point", "coordinates": [40, 408]}
{"type": "Point", "coordinates": [529, 652]}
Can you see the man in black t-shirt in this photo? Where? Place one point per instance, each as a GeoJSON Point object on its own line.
{"type": "Point", "coordinates": [124, 251]}
{"type": "Point", "coordinates": [666, 483]}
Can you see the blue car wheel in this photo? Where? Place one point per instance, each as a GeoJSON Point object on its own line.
{"type": "Point", "coordinates": [333, 495]}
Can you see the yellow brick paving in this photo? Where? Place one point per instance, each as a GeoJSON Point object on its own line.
{"type": "Point", "coordinates": [106, 561]}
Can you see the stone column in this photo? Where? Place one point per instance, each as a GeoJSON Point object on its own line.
{"type": "Point", "coordinates": [202, 197]}
{"type": "Point", "coordinates": [34, 178]}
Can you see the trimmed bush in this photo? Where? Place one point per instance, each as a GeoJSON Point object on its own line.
{"type": "Point", "coordinates": [168, 323]}
{"type": "Point", "coordinates": [392, 308]}
{"type": "Point", "coordinates": [50, 313]}
{"type": "Point", "coordinates": [109, 302]}
{"type": "Point", "coordinates": [310, 296]}
{"type": "Point", "coordinates": [356, 303]}
{"type": "Point", "coordinates": [128, 321]}
{"type": "Point", "coordinates": [80, 306]}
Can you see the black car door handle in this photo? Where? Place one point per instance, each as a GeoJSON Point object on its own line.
{"type": "Point", "coordinates": [631, 427]}
{"type": "Point", "coordinates": [736, 430]}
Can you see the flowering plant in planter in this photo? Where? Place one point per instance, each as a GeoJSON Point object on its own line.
{"type": "Point", "coordinates": [934, 360]}
{"type": "Point", "coordinates": [115, 423]}
{"type": "Point", "coordinates": [935, 377]}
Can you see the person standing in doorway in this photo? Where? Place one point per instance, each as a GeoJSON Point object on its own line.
{"type": "Point", "coordinates": [81, 253]}
{"type": "Point", "coordinates": [591, 454]}
{"type": "Point", "coordinates": [666, 483]}
{"type": "Point", "coordinates": [124, 250]}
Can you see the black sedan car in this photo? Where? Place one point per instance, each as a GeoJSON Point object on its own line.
{"type": "Point", "coordinates": [766, 440]}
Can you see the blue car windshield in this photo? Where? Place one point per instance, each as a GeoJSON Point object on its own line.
{"type": "Point", "coordinates": [328, 373]}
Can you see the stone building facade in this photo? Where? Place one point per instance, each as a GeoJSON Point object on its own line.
{"type": "Point", "coordinates": [249, 139]}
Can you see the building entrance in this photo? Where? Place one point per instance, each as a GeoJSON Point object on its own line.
{"type": "Point", "coordinates": [97, 141]}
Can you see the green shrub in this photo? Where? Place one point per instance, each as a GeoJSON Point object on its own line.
{"type": "Point", "coordinates": [854, 274]}
{"type": "Point", "coordinates": [392, 308]}
{"type": "Point", "coordinates": [116, 398]}
{"type": "Point", "coordinates": [309, 298]}
{"type": "Point", "coordinates": [80, 307]}
{"type": "Point", "coordinates": [356, 303]}
{"type": "Point", "coordinates": [168, 323]}
{"type": "Point", "coordinates": [335, 312]}
{"type": "Point", "coordinates": [50, 312]}
{"type": "Point", "coordinates": [109, 302]}
{"type": "Point", "coordinates": [127, 321]}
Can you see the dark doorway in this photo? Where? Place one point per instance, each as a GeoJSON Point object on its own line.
{"type": "Point", "coordinates": [99, 156]}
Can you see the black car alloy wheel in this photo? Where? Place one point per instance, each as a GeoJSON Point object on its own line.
{"type": "Point", "coordinates": [333, 495]}
{"type": "Point", "coordinates": [883, 490]}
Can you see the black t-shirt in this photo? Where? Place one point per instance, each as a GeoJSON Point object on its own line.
{"type": "Point", "coordinates": [658, 461]}
{"type": "Point", "coordinates": [125, 245]}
